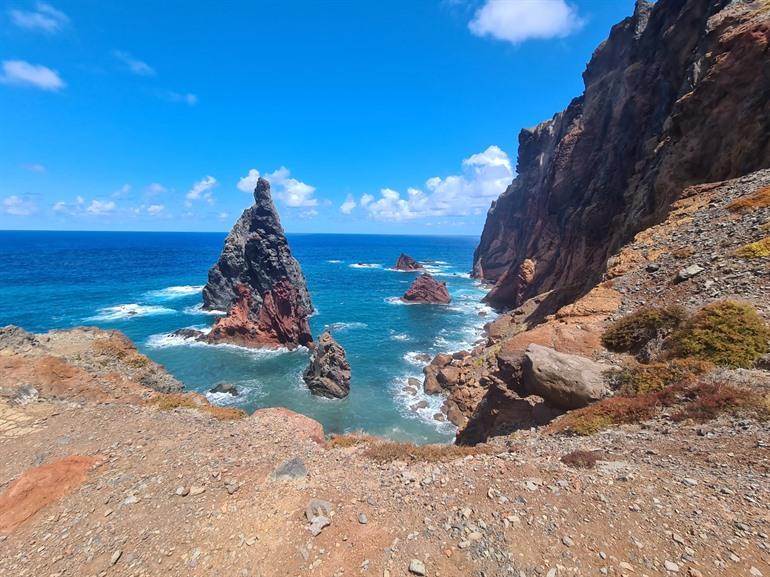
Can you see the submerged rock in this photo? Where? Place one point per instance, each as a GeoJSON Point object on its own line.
{"type": "Point", "coordinates": [328, 373]}
{"type": "Point", "coordinates": [228, 388]}
{"type": "Point", "coordinates": [259, 283]}
{"type": "Point", "coordinates": [407, 263]}
{"type": "Point", "coordinates": [427, 290]}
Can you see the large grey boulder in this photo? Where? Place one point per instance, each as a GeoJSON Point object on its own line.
{"type": "Point", "coordinates": [328, 373]}
{"type": "Point", "coordinates": [565, 381]}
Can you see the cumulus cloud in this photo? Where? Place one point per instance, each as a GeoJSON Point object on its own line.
{"type": "Point", "coordinates": [122, 191]}
{"type": "Point", "coordinates": [516, 21]}
{"type": "Point", "coordinates": [155, 209]}
{"type": "Point", "coordinates": [289, 190]}
{"type": "Point", "coordinates": [44, 18]}
{"type": "Point", "coordinates": [101, 207]}
{"type": "Point", "coordinates": [22, 73]}
{"type": "Point", "coordinates": [71, 208]}
{"type": "Point", "coordinates": [223, 216]}
{"type": "Point", "coordinates": [134, 65]}
{"type": "Point", "coordinates": [155, 189]}
{"type": "Point", "coordinates": [203, 189]}
{"type": "Point", "coordinates": [18, 206]}
{"type": "Point", "coordinates": [485, 175]}
{"type": "Point", "coordinates": [348, 206]}
{"type": "Point", "coordinates": [181, 97]}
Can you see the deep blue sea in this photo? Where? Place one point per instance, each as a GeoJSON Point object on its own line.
{"type": "Point", "coordinates": [149, 284]}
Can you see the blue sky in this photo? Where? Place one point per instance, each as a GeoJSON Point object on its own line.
{"type": "Point", "coordinates": [387, 117]}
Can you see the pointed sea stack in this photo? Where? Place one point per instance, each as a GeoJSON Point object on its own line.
{"type": "Point", "coordinates": [407, 263]}
{"type": "Point", "coordinates": [328, 374]}
{"type": "Point", "coordinates": [259, 283]}
{"type": "Point", "coordinates": [427, 290]}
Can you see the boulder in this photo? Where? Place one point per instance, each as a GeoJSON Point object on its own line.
{"type": "Point", "coordinates": [259, 283]}
{"type": "Point", "coordinates": [565, 381]}
{"type": "Point", "coordinates": [328, 373]}
{"type": "Point", "coordinates": [227, 388]}
{"type": "Point", "coordinates": [427, 290]}
{"type": "Point", "coordinates": [407, 263]}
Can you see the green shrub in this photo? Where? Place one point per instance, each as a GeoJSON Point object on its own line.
{"type": "Point", "coordinates": [632, 332]}
{"type": "Point", "coordinates": [725, 333]}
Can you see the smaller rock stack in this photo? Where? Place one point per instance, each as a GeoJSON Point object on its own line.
{"type": "Point", "coordinates": [427, 290]}
{"type": "Point", "coordinates": [328, 373]}
{"type": "Point", "coordinates": [407, 263]}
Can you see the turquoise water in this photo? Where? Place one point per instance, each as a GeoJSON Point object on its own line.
{"type": "Point", "coordinates": [148, 285]}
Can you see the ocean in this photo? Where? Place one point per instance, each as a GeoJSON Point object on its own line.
{"type": "Point", "coordinates": [149, 284]}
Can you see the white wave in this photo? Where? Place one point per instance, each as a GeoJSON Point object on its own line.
{"type": "Point", "coordinates": [365, 265]}
{"type": "Point", "coordinates": [174, 292]}
{"type": "Point", "coordinates": [127, 311]}
{"type": "Point", "coordinates": [418, 358]}
{"type": "Point", "coordinates": [400, 337]}
{"type": "Point", "coordinates": [452, 274]}
{"type": "Point", "coordinates": [199, 310]}
{"type": "Point", "coordinates": [169, 340]}
{"type": "Point", "coordinates": [391, 269]}
{"type": "Point", "coordinates": [248, 391]}
{"type": "Point", "coordinates": [338, 327]}
{"type": "Point", "coordinates": [417, 404]}
{"type": "Point", "coordinates": [397, 301]}
{"type": "Point", "coordinates": [334, 261]}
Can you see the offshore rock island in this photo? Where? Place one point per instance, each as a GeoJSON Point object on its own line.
{"type": "Point", "coordinates": [258, 283]}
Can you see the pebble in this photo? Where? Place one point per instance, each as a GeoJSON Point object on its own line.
{"type": "Point", "coordinates": [197, 490]}
{"type": "Point", "coordinates": [116, 557]}
{"type": "Point", "coordinates": [567, 541]}
{"type": "Point", "coordinates": [363, 519]}
{"type": "Point", "coordinates": [417, 567]}
{"type": "Point", "coordinates": [671, 566]}
{"type": "Point", "coordinates": [182, 491]}
{"type": "Point", "coordinates": [689, 482]}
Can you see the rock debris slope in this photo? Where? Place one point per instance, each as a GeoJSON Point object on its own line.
{"type": "Point", "coordinates": [677, 95]}
{"type": "Point", "coordinates": [258, 282]}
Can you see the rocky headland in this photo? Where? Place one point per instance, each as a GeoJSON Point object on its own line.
{"type": "Point", "coordinates": [328, 373]}
{"type": "Point", "coordinates": [258, 283]}
{"type": "Point", "coordinates": [427, 290]}
{"type": "Point", "coordinates": [407, 264]}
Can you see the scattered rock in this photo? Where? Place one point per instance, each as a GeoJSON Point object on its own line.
{"type": "Point", "coordinates": [427, 290]}
{"type": "Point", "coordinates": [688, 272]}
{"type": "Point", "coordinates": [226, 388]}
{"type": "Point", "coordinates": [291, 470]}
{"type": "Point", "coordinates": [328, 374]}
{"type": "Point", "coordinates": [407, 263]}
{"type": "Point", "coordinates": [417, 567]}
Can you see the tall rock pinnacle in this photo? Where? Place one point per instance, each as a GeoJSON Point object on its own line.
{"type": "Point", "coordinates": [258, 282]}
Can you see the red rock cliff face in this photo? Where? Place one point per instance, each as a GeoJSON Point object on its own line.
{"type": "Point", "coordinates": [679, 94]}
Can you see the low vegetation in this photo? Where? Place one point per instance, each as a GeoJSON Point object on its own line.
{"type": "Point", "coordinates": [759, 199]}
{"type": "Point", "coordinates": [758, 249]}
{"type": "Point", "coordinates": [634, 331]}
{"type": "Point", "coordinates": [640, 379]}
{"type": "Point", "coordinates": [725, 333]}
{"type": "Point", "coordinates": [698, 401]}
{"type": "Point", "coordinates": [384, 451]}
{"type": "Point", "coordinates": [187, 401]}
{"type": "Point", "coordinates": [581, 459]}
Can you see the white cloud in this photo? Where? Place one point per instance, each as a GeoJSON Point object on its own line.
{"type": "Point", "coordinates": [155, 189]}
{"type": "Point", "coordinates": [136, 66]}
{"type": "Point", "coordinates": [515, 21]}
{"type": "Point", "coordinates": [34, 167]}
{"type": "Point", "coordinates": [308, 213]}
{"type": "Point", "coordinates": [485, 176]}
{"type": "Point", "coordinates": [185, 98]}
{"type": "Point", "coordinates": [203, 189]}
{"type": "Point", "coordinates": [122, 191]}
{"type": "Point", "coordinates": [17, 206]}
{"type": "Point", "coordinates": [292, 192]}
{"type": "Point", "coordinates": [249, 182]}
{"type": "Point", "coordinates": [45, 18]}
{"type": "Point", "coordinates": [155, 209]}
{"type": "Point", "coordinates": [23, 73]}
{"type": "Point", "coordinates": [348, 206]}
{"type": "Point", "coordinates": [223, 215]}
{"type": "Point", "coordinates": [100, 207]}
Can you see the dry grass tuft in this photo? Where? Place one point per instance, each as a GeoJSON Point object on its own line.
{"type": "Point", "coordinates": [581, 459]}
{"type": "Point", "coordinates": [759, 249]}
{"type": "Point", "coordinates": [183, 401]}
{"type": "Point", "coordinates": [384, 451]}
{"type": "Point", "coordinates": [759, 199]}
{"type": "Point", "coordinates": [604, 414]}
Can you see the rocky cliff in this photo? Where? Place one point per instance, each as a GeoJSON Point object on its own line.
{"type": "Point", "coordinates": [677, 95]}
{"type": "Point", "coordinates": [427, 290]}
{"type": "Point", "coordinates": [328, 373]}
{"type": "Point", "coordinates": [258, 282]}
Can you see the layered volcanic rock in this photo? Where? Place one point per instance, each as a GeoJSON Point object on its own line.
{"type": "Point", "coordinates": [677, 95]}
{"type": "Point", "coordinates": [427, 290]}
{"type": "Point", "coordinates": [328, 373]}
{"type": "Point", "coordinates": [407, 263]}
{"type": "Point", "coordinates": [259, 283]}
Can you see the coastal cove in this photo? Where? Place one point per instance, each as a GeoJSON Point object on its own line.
{"type": "Point", "coordinates": [148, 285]}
